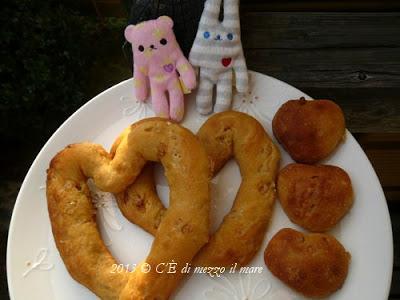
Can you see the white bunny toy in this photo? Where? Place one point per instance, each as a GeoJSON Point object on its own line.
{"type": "Point", "coordinates": [218, 52]}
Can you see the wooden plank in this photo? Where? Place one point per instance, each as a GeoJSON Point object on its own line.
{"type": "Point", "coordinates": [386, 164]}
{"type": "Point", "coordinates": [379, 140]}
{"type": "Point", "coordinates": [383, 150]}
{"type": "Point", "coordinates": [384, 154]}
{"type": "Point", "coordinates": [392, 194]}
{"type": "Point", "coordinates": [307, 30]}
{"type": "Point", "coordinates": [356, 50]}
{"type": "Point", "coordinates": [317, 5]}
{"type": "Point", "coordinates": [330, 68]}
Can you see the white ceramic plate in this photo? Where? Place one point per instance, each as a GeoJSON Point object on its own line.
{"type": "Point", "coordinates": [36, 271]}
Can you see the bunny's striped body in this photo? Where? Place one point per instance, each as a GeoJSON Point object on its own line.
{"type": "Point", "coordinates": [218, 52]}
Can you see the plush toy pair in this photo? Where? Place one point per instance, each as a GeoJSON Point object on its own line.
{"type": "Point", "coordinates": [217, 51]}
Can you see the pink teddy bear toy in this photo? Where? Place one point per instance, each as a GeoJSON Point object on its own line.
{"type": "Point", "coordinates": [160, 63]}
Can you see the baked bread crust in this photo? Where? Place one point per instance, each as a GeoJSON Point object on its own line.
{"type": "Point", "coordinates": [184, 226]}
{"type": "Point", "coordinates": [224, 136]}
{"type": "Point", "coordinates": [309, 130]}
{"type": "Point", "coordinates": [315, 265]}
{"type": "Point", "coordinates": [315, 197]}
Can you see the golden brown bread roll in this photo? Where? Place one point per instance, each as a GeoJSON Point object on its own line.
{"type": "Point", "coordinates": [309, 130]}
{"type": "Point", "coordinates": [315, 265]}
{"type": "Point", "coordinates": [315, 197]}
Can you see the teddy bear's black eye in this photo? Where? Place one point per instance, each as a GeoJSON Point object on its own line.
{"type": "Point", "coordinates": [141, 48]}
{"type": "Point", "coordinates": [163, 41]}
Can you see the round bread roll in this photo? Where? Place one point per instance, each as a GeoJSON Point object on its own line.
{"type": "Point", "coordinates": [315, 265]}
{"type": "Point", "coordinates": [309, 130]}
{"type": "Point", "coordinates": [315, 197]}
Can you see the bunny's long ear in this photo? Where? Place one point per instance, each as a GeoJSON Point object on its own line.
{"type": "Point", "coordinates": [231, 14]}
{"type": "Point", "coordinates": [210, 14]}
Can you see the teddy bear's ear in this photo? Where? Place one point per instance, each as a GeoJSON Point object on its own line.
{"type": "Point", "coordinates": [165, 21]}
{"type": "Point", "coordinates": [129, 33]}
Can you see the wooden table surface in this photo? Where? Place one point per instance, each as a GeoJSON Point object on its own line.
{"type": "Point", "coordinates": [347, 51]}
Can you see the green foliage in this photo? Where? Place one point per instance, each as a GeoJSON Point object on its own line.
{"type": "Point", "coordinates": [47, 53]}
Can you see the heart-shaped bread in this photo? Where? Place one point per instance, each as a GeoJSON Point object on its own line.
{"type": "Point", "coordinates": [315, 197]}
{"type": "Point", "coordinates": [224, 136]}
{"type": "Point", "coordinates": [181, 233]}
{"type": "Point", "coordinates": [315, 265]}
{"type": "Point", "coordinates": [309, 130]}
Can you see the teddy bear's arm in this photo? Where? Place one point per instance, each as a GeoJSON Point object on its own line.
{"type": "Point", "coordinates": [241, 74]}
{"type": "Point", "coordinates": [140, 80]}
{"type": "Point", "coordinates": [186, 71]}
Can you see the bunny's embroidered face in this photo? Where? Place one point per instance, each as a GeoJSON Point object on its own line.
{"type": "Point", "coordinates": [218, 36]}
{"type": "Point", "coordinates": [217, 43]}
{"type": "Point", "coordinates": [219, 39]}
{"type": "Point", "coordinates": [152, 39]}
